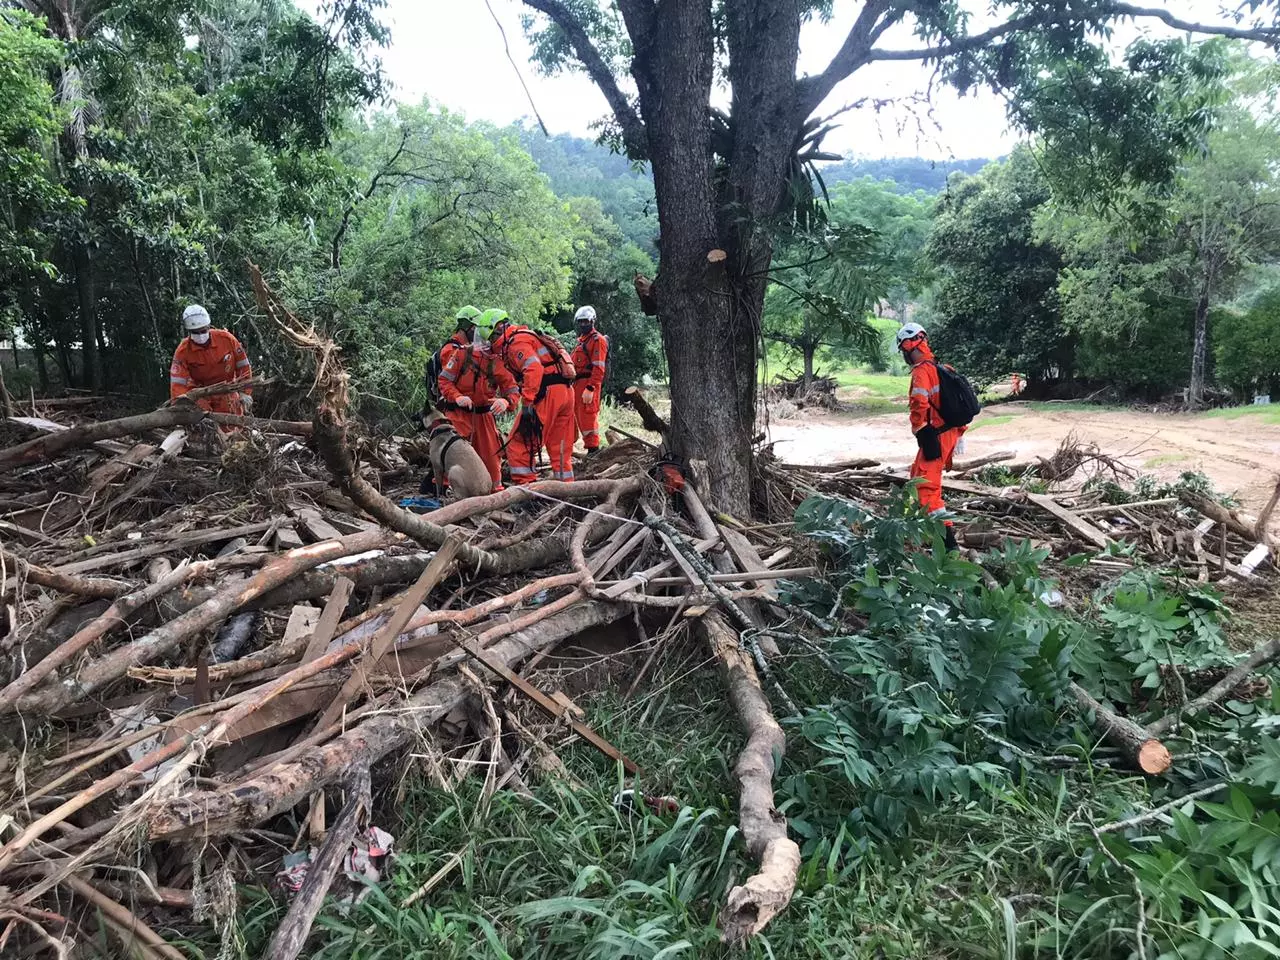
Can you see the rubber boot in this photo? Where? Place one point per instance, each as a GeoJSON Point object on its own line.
{"type": "Point", "coordinates": [952, 545]}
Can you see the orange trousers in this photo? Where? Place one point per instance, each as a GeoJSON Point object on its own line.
{"type": "Point", "coordinates": [587, 421]}
{"type": "Point", "coordinates": [479, 430]}
{"type": "Point", "coordinates": [555, 410]}
{"type": "Point", "coordinates": [930, 489]}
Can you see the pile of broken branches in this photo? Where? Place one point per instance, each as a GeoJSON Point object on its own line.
{"type": "Point", "coordinates": [205, 633]}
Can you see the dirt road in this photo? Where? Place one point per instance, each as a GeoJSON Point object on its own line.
{"type": "Point", "coordinates": [1240, 455]}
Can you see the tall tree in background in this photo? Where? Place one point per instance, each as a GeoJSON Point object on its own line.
{"type": "Point", "coordinates": [722, 183]}
{"type": "Point", "coordinates": [995, 308]}
{"type": "Point", "coordinates": [1183, 245]}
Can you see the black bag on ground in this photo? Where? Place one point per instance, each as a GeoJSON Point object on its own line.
{"type": "Point", "coordinates": [957, 401]}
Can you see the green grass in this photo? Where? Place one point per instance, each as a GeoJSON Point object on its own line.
{"type": "Point", "coordinates": [1164, 460]}
{"type": "Point", "coordinates": [882, 385]}
{"type": "Point", "coordinates": [1269, 414]}
{"type": "Point", "coordinates": [992, 421]}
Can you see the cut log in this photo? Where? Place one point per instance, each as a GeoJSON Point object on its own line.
{"type": "Point", "coordinates": [648, 416]}
{"type": "Point", "coordinates": [50, 445]}
{"type": "Point", "coordinates": [238, 805]}
{"type": "Point", "coordinates": [1143, 751]}
{"type": "Point", "coordinates": [753, 904]}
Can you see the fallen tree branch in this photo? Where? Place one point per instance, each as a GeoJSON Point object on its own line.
{"type": "Point", "coordinates": [291, 936]}
{"type": "Point", "coordinates": [1143, 751]}
{"type": "Point", "coordinates": [1230, 519]}
{"type": "Point", "coordinates": [217, 389]}
{"type": "Point", "coordinates": [229, 809]}
{"type": "Point", "coordinates": [51, 444]}
{"type": "Point", "coordinates": [92, 587]}
{"type": "Point", "coordinates": [116, 615]}
{"type": "Point", "coordinates": [1260, 531]}
{"type": "Point", "coordinates": [753, 904]}
{"type": "Point", "coordinates": [648, 416]}
{"type": "Point", "coordinates": [1220, 690]}
{"type": "Point", "coordinates": [294, 427]}
{"type": "Point", "coordinates": [167, 637]}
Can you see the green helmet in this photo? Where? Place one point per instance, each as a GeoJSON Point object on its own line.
{"type": "Point", "coordinates": [466, 316]}
{"type": "Point", "coordinates": [489, 321]}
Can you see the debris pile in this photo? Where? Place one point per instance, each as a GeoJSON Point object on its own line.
{"type": "Point", "coordinates": [213, 624]}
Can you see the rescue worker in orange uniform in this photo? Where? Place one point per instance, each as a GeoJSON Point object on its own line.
{"type": "Point", "coordinates": [590, 361]}
{"type": "Point", "coordinates": [476, 388]}
{"type": "Point", "coordinates": [207, 356]}
{"type": "Point", "coordinates": [545, 373]}
{"type": "Point", "coordinates": [937, 444]}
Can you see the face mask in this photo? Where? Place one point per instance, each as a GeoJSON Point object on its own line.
{"type": "Point", "coordinates": [585, 328]}
{"type": "Point", "coordinates": [200, 338]}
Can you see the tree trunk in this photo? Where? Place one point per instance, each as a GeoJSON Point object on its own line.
{"type": "Point", "coordinates": [710, 348]}
{"type": "Point", "coordinates": [90, 357]}
{"type": "Point", "coordinates": [1195, 394]}
{"type": "Point", "coordinates": [809, 350]}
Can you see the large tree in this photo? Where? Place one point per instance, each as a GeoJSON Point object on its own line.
{"type": "Point", "coordinates": [723, 181]}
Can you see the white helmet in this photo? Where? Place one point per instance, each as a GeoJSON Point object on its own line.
{"type": "Point", "coordinates": [585, 313]}
{"type": "Point", "coordinates": [195, 317]}
{"type": "Point", "coordinates": [909, 331]}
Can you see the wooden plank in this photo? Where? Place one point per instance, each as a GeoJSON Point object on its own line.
{"type": "Point", "coordinates": [1080, 527]}
{"type": "Point", "coordinates": [330, 618]}
{"type": "Point", "coordinates": [748, 558]}
{"type": "Point", "coordinates": [286, 538]}
{"type": "Point", "coordinates": [302, 621]}
{"type": "Point", "coordinates": [439, 568]}
{"type": "Point", "coordinates": [314, 525]}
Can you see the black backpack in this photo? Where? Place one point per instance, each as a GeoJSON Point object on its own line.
{"type": "Point", "coordinates": [435, 366]}
{"type": "Point", "coordinates": [957, 401]}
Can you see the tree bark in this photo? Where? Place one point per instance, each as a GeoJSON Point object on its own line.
{"type": "Point", "coordinates": [1141, 748]}
{"type": "Point", "coordinates": [1200, 348]}
{"type": "Point", "coordinates": [85, 291]}
{"type": "Point", "coordinates": [809, 350]}
{"type": "Point", "coordinates": [52, 444]}
{"type": "Point", "coordinates": [763, 896]}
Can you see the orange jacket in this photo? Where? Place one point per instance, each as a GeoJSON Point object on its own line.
{"type": "Point", "coordinates": [527, 359]}
{"type": "Point", "coordinates": [480, 377]}
{"type": "Point", "coordinates": [590, 359]}
{"type": "Point", "coordinates": [221, 360]}
{"type": "Point", "coordinates": [925, 388]}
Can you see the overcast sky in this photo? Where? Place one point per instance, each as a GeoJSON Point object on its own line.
{"type": "Point", "coordinates": [451, 51]}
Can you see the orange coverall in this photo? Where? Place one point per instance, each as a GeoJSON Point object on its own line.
{"type": "Point", "coordinates": [466, 372]}
{"type": "Point", "coordinates": [590, 358]}
{"type": "Point", "coordinates": [221, 360]}
{"type": "Point", "coordinates": [545, 391]}
{"type": "Point", "coordinates": [923, 403]}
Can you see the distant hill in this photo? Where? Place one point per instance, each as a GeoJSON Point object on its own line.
{"type": "Point", "coordinates": [908, 173]}
{"type": "Point", "coordinates": [582, 168]}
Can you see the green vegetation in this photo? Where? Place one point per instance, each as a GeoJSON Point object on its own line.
{"type": "Point", "coordinates": [987, 420]}
{"type": "Point", "coordinates": [1268, 413]}
{"type": "Point", "coordinates": [948, 795]}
